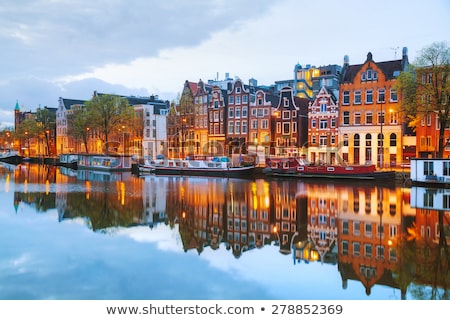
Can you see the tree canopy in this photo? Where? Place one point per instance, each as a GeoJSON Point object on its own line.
{"type": "Point", "coordinates": [425, 88]}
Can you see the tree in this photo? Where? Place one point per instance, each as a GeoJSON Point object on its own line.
{"type": "Point", "coordinates": [46, 121]}
{"type": "Point", "coordinates": [78, 128]}
{"type": "Point", "coordinates": [109, 114]}
{"type": "Point", "coordinates": [27, 130]}
{"type": "Point", "coordinates": [425, 88]}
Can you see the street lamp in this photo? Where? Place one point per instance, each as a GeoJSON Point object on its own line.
{"type": "Point", "coordinates": [183, 123]}
{"type": "Point", "coordinates": [381, 101]}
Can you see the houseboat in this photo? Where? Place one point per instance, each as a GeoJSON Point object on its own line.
{"type": "Point", "coordinates": [10, 156]}
{"type": "Point", "coordinates": [68, 160]}
{"type": "Point", "coordinates": [301, 168]}
{"type": "Point", "coordinates": [198, 166]}
{"type": "Point", "coordinates": [104, 162]}
{"type": "Point", "coordinates": [430, 172]}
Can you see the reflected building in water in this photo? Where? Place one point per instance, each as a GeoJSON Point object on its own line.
{"type": "Point", "coordinates": [375, 235]}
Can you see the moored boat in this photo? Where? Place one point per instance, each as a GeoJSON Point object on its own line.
{"type": "Point", "coordinates": [68, 160]}
{"type": "Point", "coordinates": [300, 168]}
{"type": "Point", "coordinates": [10, 156]}
{"type": "Point", "coordinates": [199, 166]}
{"type": "Point", "coordinates": [430, 172]}
{"type": "Point", "coordinates": [104, 162]}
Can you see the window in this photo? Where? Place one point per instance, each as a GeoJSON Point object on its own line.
{"type": "Point", "coordinates": [368, 229]}
{"type": "Point", "coordinates": [333, 122]}
{"type": "Point", "coordinates": [357, 97]}
{"type": "Point", "coordinates": [323, 107]}
{"type": "Point", "coordinates": [244, 126]}
{"type": "Point", "coordinates": [368, 140]}
{"type": "Point", "coordinates": [244, 99]}
{"type": "Point", "coordinates": [428, 168]}
{"type": "Point", "coordinates": [238, 112]}
{"type": "Point", "coordinates": [393, 140]}
{"type": "Point", "coordinates": [346, 97]}
{"type": "Point", "coordinates": [238, 127]}
{"type": "Point", "coordinates": [357, 118]}
{"type": "Point", "coordinates": [446, 168]}
{"type": "Point", "coordinates": [345, 248]}
{"type": "Point", "coordinates": [394, 95]}
{"type": "Point", "coordinates": [356, 140]}
{"type": "Point", "coordinates": [369, 74]}
{"type": "Point", "coordinates": [244, 112]}
{"type": "Point", "coordinates": [369, 96]}
{"type": "Point", "coordinates": [345, 227]}
{"type": "Point", "coordinates": [231, 100]}
{"type": "Point", "coordinates": [393, 117]}
{"type": "Point", "coordinates": [238, 99]}
{"type": "Point", "coordinates": [381, 117]}
{"type": "Point", "coordinates": [323, 123]}
{"type": "Point", "coordinates": [313, 123]}
{"type": "Point", "coordinates": [368, 250]}
{"type": "Point", "coordinates": [428, 200]}
{"type": "Point", "coordinates": [231, 112]}
{"type": "Point", "coordinates": [369, 117]}
{"type": "Point", "coordinates": [346, 117]}
{"type": "Point", "coordinates": [323, 140]}
{"type": "Point", "coordinates": [286, 128]}
{"type": "Point", "coordinates": [356, 249]}
{"type": "Point", "coordinates": [381, 95]}
{"type": "Point", "coordinates": [260, 102]}
{"type": "Point", "coordinates": [345, 140]}
{"type": "Point", "coordinates": [230, 127]}
{"type": "Point", "coordinates": [238, 90]}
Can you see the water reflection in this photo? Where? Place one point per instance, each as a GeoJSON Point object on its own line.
{"type": "Point", "coordinates": [374, 235]}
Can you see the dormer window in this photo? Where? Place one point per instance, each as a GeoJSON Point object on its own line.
{"type": "Point", "coordinates": [369, 74]}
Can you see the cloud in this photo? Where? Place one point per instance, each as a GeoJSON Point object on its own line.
{"type": "Point", "coordinates": [64, 37]}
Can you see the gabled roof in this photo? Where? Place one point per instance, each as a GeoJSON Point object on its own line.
{"type": "Point", "coordinates": [68, 103]}
{"type": "Point", "coordinates": [389, 69]}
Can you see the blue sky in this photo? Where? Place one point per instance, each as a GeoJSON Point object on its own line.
{"type": "Point", "coordinates": [69, 48]}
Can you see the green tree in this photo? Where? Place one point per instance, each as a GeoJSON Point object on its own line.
{"type": "Point", "coordinates": [46, 121]}
{"type": "Point", "coordinates": [79, 125]}
{"type": "Point", "coordinates": [425, 88]}
{"type": "Point", "coordinates": [28, 129]}
{"type": "Point", "coordinates": [109, 114]}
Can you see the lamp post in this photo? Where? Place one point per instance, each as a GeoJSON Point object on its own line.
{"type": "Point", "coordinates": [381, 142]}
{"type": "Point", "coordinates": [183, 123]}
{"type": "Point", "coordinates": [28, 142]}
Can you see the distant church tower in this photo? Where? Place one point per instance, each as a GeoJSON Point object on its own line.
{"type": "Point", "coordinates": [16, 116]}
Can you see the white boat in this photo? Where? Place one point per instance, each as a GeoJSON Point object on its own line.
{"type": "Point", "coordinates": [199, 166]}
{"type": "Point", "coordinates": [68, 160]}
{"type": "Point", "coordinates": [10, 156]}
{"type": "Point", "coordinates": [430, 172]}
{"type": "Point", "coordinates": [104, 162]}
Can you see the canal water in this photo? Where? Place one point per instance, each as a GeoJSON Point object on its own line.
{"type": "Point", "coordinates": [73, 235]}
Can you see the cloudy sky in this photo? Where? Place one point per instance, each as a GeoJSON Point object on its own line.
{"type": "Point", "coordinates": [69, 48]}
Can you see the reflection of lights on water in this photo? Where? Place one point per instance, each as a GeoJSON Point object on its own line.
{"type": "Point", "coordinates": [7, 181]}
{"type": "Point", "coordinates": [47, 187]}
{"type": "Point", "coordinates": [88, 189]}
{"type": "Point", "coordinates": [122, 193]}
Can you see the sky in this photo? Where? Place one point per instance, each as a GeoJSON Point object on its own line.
{"type": "Point", "coordinates": [71, 48]}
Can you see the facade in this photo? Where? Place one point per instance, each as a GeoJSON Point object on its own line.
{"type": "Point", "coordinates": [291, 124]}
{"type": "Point", "coordinates": [370, 112]}
{"type": "Point", "coordinates": [237, 117]}
{"type": "Point", "coordinates": [217, 115]}
{"type": "Point", "coordinates": [154, 135]}
{"type": "Point", "coordinates": [262, 122]}
{"type": "Point", "coordinates": [64, 142]}
{"type": "Point", "coordinates": [201, 101]}
{"type": "Point", "coordinates": [323, 134]}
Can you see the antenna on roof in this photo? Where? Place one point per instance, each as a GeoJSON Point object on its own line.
{"type": "Point", "coordinates": [395, 52]}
